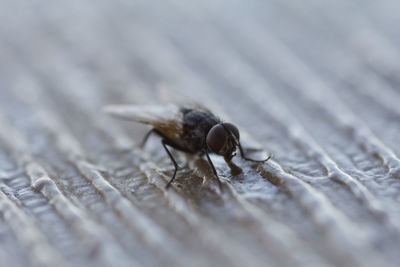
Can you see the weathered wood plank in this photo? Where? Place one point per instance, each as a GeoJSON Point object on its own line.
{"type": "Point", "coordinates": [315, 83]}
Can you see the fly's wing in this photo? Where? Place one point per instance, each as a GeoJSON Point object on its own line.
{"type": "Point", "coordinates": [167, 119]}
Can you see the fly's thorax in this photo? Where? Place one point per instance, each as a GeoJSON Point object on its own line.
{"type": "Point", "coordinates": [196, 125]}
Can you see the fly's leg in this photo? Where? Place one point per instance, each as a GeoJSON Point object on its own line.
{"type": "Point", "coordinates": [173, 161]}
{"type": "Point", "coordinates": [249, 159]}
{"type": "Point", "coordinates": [213, 169]}
{"type": "Point", "coordinates": [146, 137]}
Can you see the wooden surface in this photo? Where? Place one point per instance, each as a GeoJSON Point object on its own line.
{"type": "Point", "coordinates": [314, 82]}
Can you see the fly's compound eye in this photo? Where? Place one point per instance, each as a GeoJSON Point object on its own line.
{"type": "Point", "coordinates": [233, 129]}
{"type": "Point", "coordinates": [217, 138]}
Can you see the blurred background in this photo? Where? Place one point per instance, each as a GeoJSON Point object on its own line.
{"type": "Point", "coordinates": [315, 83]}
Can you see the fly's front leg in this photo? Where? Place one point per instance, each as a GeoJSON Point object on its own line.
{"type": "Point", "coordinates": [213, 169]}
{"type": "Point", "coordinates": [249, 159]}
{"type": "Point", "coordinates": [173, 161]}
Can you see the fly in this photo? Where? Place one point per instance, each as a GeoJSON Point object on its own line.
{"type": "Point", "coordinates": [193, 130]}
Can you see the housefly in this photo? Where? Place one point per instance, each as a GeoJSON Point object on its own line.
{"type": "Point", "coordinates": [194, 130]}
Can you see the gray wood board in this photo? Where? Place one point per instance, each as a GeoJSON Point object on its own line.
{"type": "Point", "coordinates": [313, 82]}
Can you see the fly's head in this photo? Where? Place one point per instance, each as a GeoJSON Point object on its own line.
{"type": "Point", "coordinates": [223, 139]}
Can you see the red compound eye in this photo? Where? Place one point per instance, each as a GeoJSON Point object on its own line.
{"type": "Point", "coordinates": [217, 138]}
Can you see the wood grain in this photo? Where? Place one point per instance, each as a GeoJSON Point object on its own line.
{"type": "Point", "coordinates": [312, 82]}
